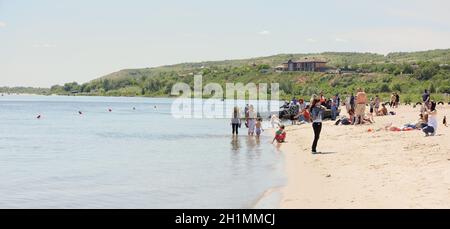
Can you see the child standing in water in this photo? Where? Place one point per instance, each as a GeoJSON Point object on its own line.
{"type": "Point", "coordinates": [258, 126]}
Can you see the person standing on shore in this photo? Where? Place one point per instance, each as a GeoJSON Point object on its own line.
{"type": "Point", "coordinates": [377, 104]}
{"type": "Point", "coordinates": [397, 100]}
{"type": "Point", "coordinates": [392, 103]}
{"type": "Point", "coordinates": [334, 107]}
{"type": "Point", "coordinates": [236, 121]}
{"type": "Point", "coordinates": [352, 102]}
{"type": "Point", "coordinates": [426, 98]}
{"type": "Point", "coordinates": [361, 101]}
{"type": "Point", "coordinates": [316, 111]}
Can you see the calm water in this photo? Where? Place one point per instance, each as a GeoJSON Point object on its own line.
{"type": "Point", "coordinates": [126, 158]}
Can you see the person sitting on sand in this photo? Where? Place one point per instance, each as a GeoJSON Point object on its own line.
{"type": "Point", "coordinates": [304, 116]}
{"type": "Point", "coordinates": [352, 115]}
{"type": "Point", "coordinates": [418, 125]}
{"type": "Point", "coordinates": [421, 122]}
{"type": "Point", "coordinates": [280, 135]}
{"type": "Point", "coordinates": [258, 127]}
{"type": "Point", "coordinates": [274, 120]}
{"type": "Point", "coordinates": [301, 104]}
{"type": "Point", "coordinates": [445, 121]}
{"type": "Point", "coordinates": [432, 124]}
{"type": "Point", "coordinates": [383, 111]}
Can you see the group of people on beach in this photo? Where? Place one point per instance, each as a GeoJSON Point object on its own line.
{"type": "Point", "coordinates": [312, 113]}
{"type": "Point", "coordinates": [356, 106]}
{"type": "Point", "coordinates": [428, 118]}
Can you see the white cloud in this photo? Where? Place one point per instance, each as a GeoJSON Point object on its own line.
{"type": "Point", "coordinates": [311, 40]}
{"type": "Point", "coordinates": [2, 24]}
{"type": "Point", "coordinates": [264, 32]}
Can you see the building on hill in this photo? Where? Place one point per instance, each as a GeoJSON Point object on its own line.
{"type": "Point", "coordinates": [305, 65]}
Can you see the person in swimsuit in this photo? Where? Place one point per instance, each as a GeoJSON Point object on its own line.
{"type": "Point", "coordinates": [258, 127]}
{"type": "Point", "coordinates": [280, 135]}
{"type": "Point", "coordinates": [251, 120]}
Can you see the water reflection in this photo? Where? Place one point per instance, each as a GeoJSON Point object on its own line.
{"type": "Point", "coordinates": [235, 144]}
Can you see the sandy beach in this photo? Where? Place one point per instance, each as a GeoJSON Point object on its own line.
{"type": "Point", "coordinates": [362, 169]}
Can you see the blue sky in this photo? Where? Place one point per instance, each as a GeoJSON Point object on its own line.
{"type": "Point", "coordinates": [49, 42]}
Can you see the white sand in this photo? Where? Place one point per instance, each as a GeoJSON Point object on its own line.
{"type": "Point", "coordinates": [369, 170]}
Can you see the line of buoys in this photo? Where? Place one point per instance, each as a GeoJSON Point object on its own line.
{"type": "Point", "coordinates": [39, 116]}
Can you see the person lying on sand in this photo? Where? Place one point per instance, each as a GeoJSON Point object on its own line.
{"type": "Point", "coordinates": [280, 135]}
{"type": "Point", "coordinates": [390, 127]}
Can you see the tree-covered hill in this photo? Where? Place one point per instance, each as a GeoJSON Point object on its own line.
{"type": "Point", "coordinates": [407, 73]}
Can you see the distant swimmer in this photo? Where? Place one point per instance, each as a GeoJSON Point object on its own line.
{"type": "Point", "coordinates": [79, 112]}
{"type": "Point", "coordinates": [134, 108]}
{"type": "Point", "coordinates": [110, 110]}
{"type": "Point", "coordinates": [39, 117]}
{"type": "Point", "coordinates": [155, 108]}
